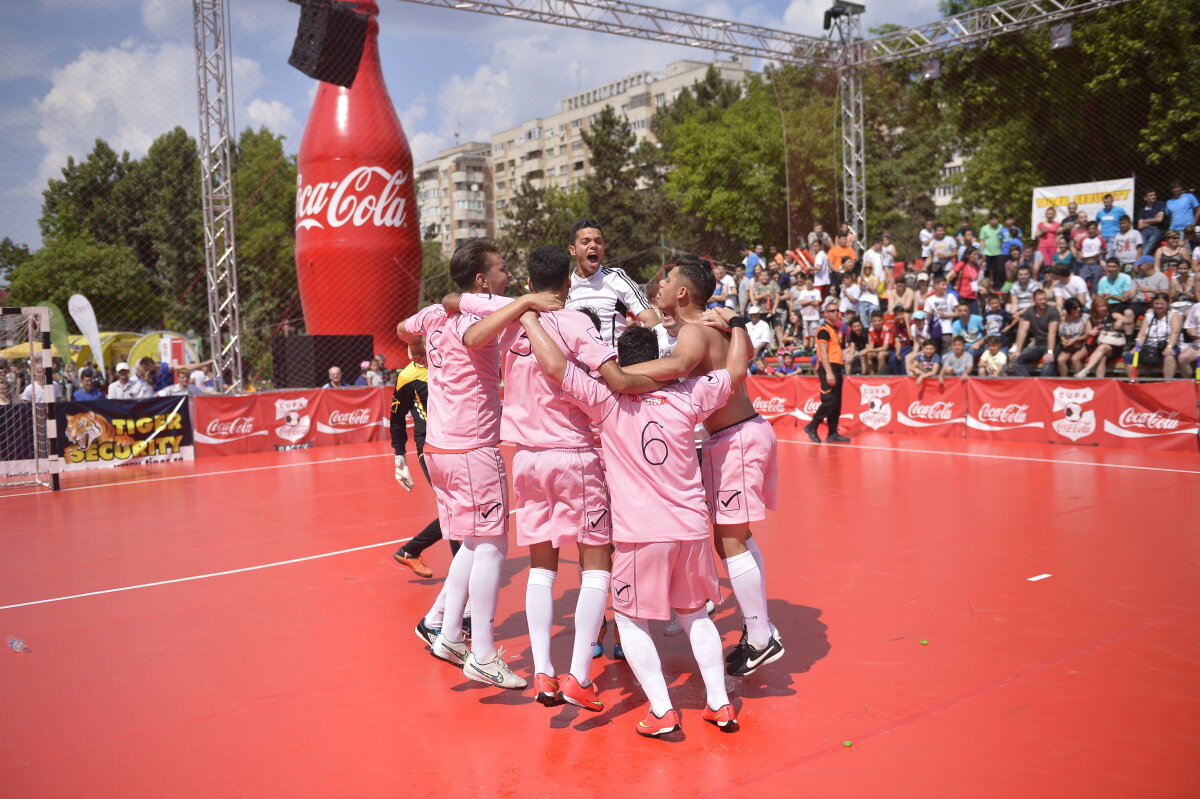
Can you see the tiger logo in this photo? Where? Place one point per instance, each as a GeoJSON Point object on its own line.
{"type": "Point", "coordinates": [90, 429]}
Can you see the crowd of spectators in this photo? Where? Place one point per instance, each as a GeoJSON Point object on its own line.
{"type": "Point", "coordinates": [1076, 297]}
{"type": "Point", "coordinates": [149, 378]}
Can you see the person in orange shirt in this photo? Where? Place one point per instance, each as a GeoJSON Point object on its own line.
{"type": "Point", "coordinates": [839, 251]}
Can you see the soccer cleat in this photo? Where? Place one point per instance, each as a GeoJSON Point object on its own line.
{"type": "Point", "coordinates": [618, 652]}
{"type": "Point", "coordinates": [493, 672]}
{"type": "Point", "coordinates": [413, 562]}
{"type": "Point", "coordinates": [426, 633]}
{"type": "Point", "coordinates": [747, 659]}
{"type": "Point", "coordinates": [450, 651]}
{"type": "Point", "coordinates": [837, 438]}
{"type": "Point", "coordinates": [732, 656]}
{"type": "Point", "coordinates": [710, 607]}
{"type": "Point", "coordinates": [546, 690]}
{"type": "Point", "coordinates": [584, 696]}
{"type": "Point", "coordinates": [811, 430]}
{"type": "Point", "coordinates": [724, 718]}
{"type": "Point", "coordinates": [653, 726]}
{"type": "Point", "coordinates": [466, 628]}
{"type": "Point", "coordinates": [597, 650]}
{"type": "Point", "coordinates": [673, 627]}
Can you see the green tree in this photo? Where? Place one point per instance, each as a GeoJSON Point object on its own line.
{"type": "Point", "coordinates": [109, 275]}
{"type": "Point", "coordinates": [535, 217]}
{"type": "Point", "coordinates": [12, 255]}
{"type": "Point", "coordinates": [86, 201]}
{"type": "Point", "coordinates": [264, 187]}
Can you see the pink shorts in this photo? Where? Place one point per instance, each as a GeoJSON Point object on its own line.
{"type": "Point", "coordinates": [471, 490]}
{"type": "Point", "coordinates": [739, 471]}
{"type": "Point", "coordinates": [561, 497]}
{"type": "Point", "coordinates": [650, 579]}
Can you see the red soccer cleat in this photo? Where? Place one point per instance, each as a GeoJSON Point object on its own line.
{"type": "Point", "coordinates": [653, 726]}
{"type": "Point", "coordinates": [724, 717]}
{"type": "Point", "coordinates": [586, 697]}
{"type": "Point", "coordinates": [546, 690]}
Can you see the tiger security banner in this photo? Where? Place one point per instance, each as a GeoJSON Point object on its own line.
{"type": "Point", "coordinates": [105, 433]}
{"type": "Point", "coordinates": [1089, 197]}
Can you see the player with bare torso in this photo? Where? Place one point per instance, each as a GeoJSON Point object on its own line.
{"type": "Point", "coordinates": [739, 467]}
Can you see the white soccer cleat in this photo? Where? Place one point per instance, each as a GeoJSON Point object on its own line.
{"type": "Point", "coordinates": [455, 652]}
{"type": "Point", "coordinates": [493, 672]}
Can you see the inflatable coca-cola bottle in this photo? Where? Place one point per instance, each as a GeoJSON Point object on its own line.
{"type": "Point", "coordinates": [358, 239]}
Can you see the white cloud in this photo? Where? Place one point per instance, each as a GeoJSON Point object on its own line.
{"type": "Point", "coordinates": [276, 116]}
{"type": "Point", "coordinates": [168, 19]}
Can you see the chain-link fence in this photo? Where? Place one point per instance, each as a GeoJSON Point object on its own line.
{"type": "Point", "coordinates": [716, 155]}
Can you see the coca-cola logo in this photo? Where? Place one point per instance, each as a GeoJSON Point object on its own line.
{"type": "Point", "coordinates": [934, 411]}
{"type": "Point", "coordinates": [1150, 420]}
{"type": "Point", "coordinates": [368, 195]}
{"type": "Point", "coordinates": [356, 417]}
{"type": "Point", "coordinates": [241, 426]}
{"type": "Point", "coordinates": [771, 405]}
{"type": "Point", "coordinates": [1013, 413]}
{"type": "Point", "coordinates": [1076, 422]}
{"type": "Point", "coordinates": [812, 405]}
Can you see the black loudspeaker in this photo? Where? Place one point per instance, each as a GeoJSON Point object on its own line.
{"type": "Point", "coordinates": [304, 361]}
{"type": "Point", "coordinates": [329, 41]}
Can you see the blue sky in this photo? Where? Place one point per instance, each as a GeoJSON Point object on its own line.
{"type": "Point", "coordinates": [124, 71]}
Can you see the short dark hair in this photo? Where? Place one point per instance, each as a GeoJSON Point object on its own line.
{"type": "Point", "coordinates": [699, 276]}
{"type": "Point", "coordinates": [146, 360]}
{"type": "Point", "coordinates": [549, 267]}
{"type": "Point", "coordinates": [1060, 270]}
{"type": "Point", "coordinates": [1107, 197]}
{"type": "Point", "coordinates": [637, 345]}
{"type": "Point", "coordinates": [469, 260]}
{"type": "Point", "coordinates": [990, 340]}
{"type": "Point", "coordinates": [591, 314]}
{"type": "Point", "coordinates": [958, 340]}
{"type": "Point", "coordinates": [963, 304]}
{"type": "Point", "coordinates": [583, 224]}
{"type": "Point", "coordinates": [878, 314]}
{"type": "Point", "coordinates": [1072, 304]}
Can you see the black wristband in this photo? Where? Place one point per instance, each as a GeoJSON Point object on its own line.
{"type": "Point", "coordinates": [737, 321]}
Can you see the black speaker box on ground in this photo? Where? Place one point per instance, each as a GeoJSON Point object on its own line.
{"type": "Point", "coordinates": [329, 41]}
{"type": "Point", "coordinates": [304, 361]}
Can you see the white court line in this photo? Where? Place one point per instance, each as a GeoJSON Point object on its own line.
{"type": "Point", "coordinates": [1030, 579]}
{"type": "Point", "coordinates": [995, 457]}
{"type": "Point", "coordinates": [206, 576]}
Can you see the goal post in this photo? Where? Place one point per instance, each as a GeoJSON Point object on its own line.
{"type": "Point", "coordinates": [28, 430]}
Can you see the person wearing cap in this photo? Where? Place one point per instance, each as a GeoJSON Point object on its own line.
{"type": "Point", "coordinates": [759, 331]}
{"type": "Point", "coordinates": [924, 289]}
{"type": "Point", "coordinates": [123, 388]}
{"type": "Point", "coordinates": [362, 379]}
{"type": "Point", "coordinates": [89, 390]}
{"type": "Point", "coordinates": [1146, 283]}
{"type": "Point", "coordinates": [830, 370]}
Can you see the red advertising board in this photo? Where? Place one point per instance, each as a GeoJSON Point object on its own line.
{"type": "Point", "coordinates": [1006, 410]}
{"type": "Point", "coordinates": [287, 420]}
{"type": "Point", "coordinates": [1075, 409]}
{"type": "Point", "coordinates": [873, 404]}
{"type": "Point", "coordinates": [1153, 416]}
{"type": "Point", "coordinates": [933, 409]}
{"type": "Point", "coordinates": [773, 397]}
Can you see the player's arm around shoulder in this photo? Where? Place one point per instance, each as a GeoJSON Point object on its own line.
{"type": "Point", "coordinates": [689, 350]}
{"type": "Point", "coordinates": [411, 329]}
{"type": "Point", "coordinates": [737, 359]}
{"type": "Point", "coordinates": [485, 331]}
{"type": "Point", "coordinates": [550, 358]}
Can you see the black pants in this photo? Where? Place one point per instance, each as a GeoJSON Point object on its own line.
{"type": "Point", "coordinates": [831, 399]}
{"type": "Point", "coordinates": [432, 532]}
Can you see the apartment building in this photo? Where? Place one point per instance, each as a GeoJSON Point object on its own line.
{"type": "Point", "coordinates": [550, 150]}
{"type": "Point", "coordinates": [454, 195]}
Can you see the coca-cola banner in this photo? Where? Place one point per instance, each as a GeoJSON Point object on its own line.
{"type": "Point", "coordinates": [1153, 416]}
{"type": "Point", "coordinates": [1077, 408]}
{"type": "Point", "coordinates": [352, 416]}
{"type": "Point", "coordinates": [773, 397]}
{"type": "Point", "coordinates": [899, 405]}
{"type": "Point", "coordinates": [287, 420]}
{"type": "Point", "coordinates": [1008, 410]}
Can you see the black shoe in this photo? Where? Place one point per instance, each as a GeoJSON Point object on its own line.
{"type": "Point", "coordinates": [466, 628]}
{"type": "Point", "coordinates": [736, 652]}
{"type": "Point", "coordinates": [425, 632]}
{"type": "Point", "coordinates": [812, 433]}
{"type": "Point", "coordinates": [835, 438]}
{"type": "Point", "coordinates": [750, 659]}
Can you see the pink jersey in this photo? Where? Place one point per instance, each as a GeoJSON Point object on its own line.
{"type": "Point", "coordinates": [649, 455]}
{"type": "Point", "coordinates": [535, 412]}
{"type": "Point", "coordinates": [464, 384]}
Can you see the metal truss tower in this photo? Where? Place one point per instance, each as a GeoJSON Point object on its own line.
{"type": "Point", "coordinates": [848, 24]}
{"type": "Point", "coordinates": [214, 97]}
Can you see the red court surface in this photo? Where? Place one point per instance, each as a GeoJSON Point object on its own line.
{"type": "Point", "coordinates": [304, 678]}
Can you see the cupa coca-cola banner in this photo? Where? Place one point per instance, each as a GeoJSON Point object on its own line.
{"type": "Point", "coordinates": [899, 405]}
{"type": "Point", "coordinates": [290, 420]}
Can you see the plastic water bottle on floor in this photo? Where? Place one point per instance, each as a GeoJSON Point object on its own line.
{"type": "Point", "coordinates": [17, 645]}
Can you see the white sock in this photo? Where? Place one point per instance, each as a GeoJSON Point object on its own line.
{"type": "Point", "coordinates": [589, 614]}
{"type": "Point", "coordinates": [539, 614]}
{"type": "Point", "coordinates": [751, 596]}
{"type": "Point", "coordinates": [454, 593]}
{"type": "Point", "coordinates": [706, 647]}
{"type": "Point", "coordinates": [642, 657]}
{"type": "Point", "coordinates": [752, 545]}
{"type": "Point", "coordinates": [490, 552]}
{"type": "Point", "coordinates": [434, 617]}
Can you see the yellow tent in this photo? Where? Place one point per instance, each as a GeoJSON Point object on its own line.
{"type": "Point", "coordinates": [22, 351]}
{"type": "Point", "coordinates": [115, 346]}
{"type": "Point", "coordinates": [147, 346]}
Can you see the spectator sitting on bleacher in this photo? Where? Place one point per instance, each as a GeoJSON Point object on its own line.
{"type": "Point", "coordinates": [926, 363]}
{"type": "Point", "coordinates": [1039, 329]}
{"type": "Point", "coordinates": [788, 365]}
{"type": "Point", "coordinates": [758, 331]}
{"type": "Point", "coordinates": [1074, 330]}
{"type": "Point", "coordinates": [902, 342]}
{"type": "Point", "coordinates": [994, 361]}
{"type": "Point", "coordinates": [335, 378]}
{"type": "Point", "coordinates": [759, 368]}
{"type": "Point", "coordinates": [1159, 336]}
{"type": "Point", "coordinates": [1108, 343]}
{"type": "Point", "coordinates": [856, 342]}
{"type": "Point", "coordinates": [879, 345]}
{"type": "Point", "coordinates": [997, 321]}
{"type": "Point", "coordinates": [957, 362]}
{"type": "Point", "coordinates": [969, 327]}
{"type": "Point", "coordinates": [1021, 291]}
{"type": "Point", "coordinates": [790, 334]}
{"type": "Point", "coordinates": [1069, 287]}
{"type": "Point", "coordinates": [1147, 283]}
{"type": "Point", "coordinates": [1189, 356]}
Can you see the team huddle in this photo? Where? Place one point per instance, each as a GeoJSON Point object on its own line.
{"type": "Point", "coordinates": [604, 418]}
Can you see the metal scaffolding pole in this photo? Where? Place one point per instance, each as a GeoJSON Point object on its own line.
{"type": "Point", "coordinates": [850, 120]}
{"type": "Point", "coordinates": [214, 96]}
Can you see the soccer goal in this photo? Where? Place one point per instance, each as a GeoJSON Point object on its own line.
{"type": "Point", "coordinates": [28, 436]}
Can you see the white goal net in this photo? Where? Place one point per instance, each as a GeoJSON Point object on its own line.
{"type": "Point", "coordinates": [27, 394]}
